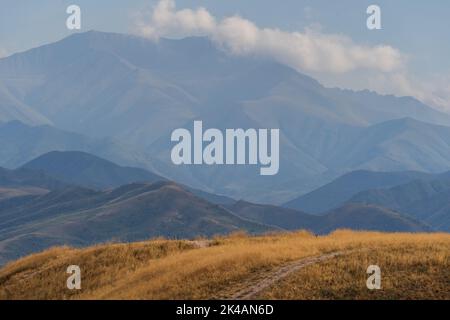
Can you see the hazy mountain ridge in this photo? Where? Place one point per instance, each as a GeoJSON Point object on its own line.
{"type": "Point", "coordinates": [348, 216]}
{"type": "Point", "coordinates": [425, 199]}
{"type": "Point", "coordinates": [342, 189]}
{"type": "Point", "coordinates": [22, 143]}
{"type": "Point", "coordinates": [137, 90]}
{"type": "Point", "coordinates": [80, 168]}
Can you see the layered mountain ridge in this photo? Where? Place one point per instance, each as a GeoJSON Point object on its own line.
{"type": "Point", "coordinates": [126, 88]}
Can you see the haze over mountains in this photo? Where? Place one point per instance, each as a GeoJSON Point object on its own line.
{"type": "Point", "coordinates": [22, 143]}
{"type": "Point", "coordinates": [125, 88]}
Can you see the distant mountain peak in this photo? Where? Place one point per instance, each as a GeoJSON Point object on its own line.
{"type": "Point", "coordinates": [82, 168]}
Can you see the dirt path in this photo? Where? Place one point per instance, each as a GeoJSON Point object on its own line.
{"type": "Point", "coordinates": [252, 288]}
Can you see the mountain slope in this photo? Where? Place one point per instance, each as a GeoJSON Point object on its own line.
{"type": "Point", "coordinates": [287, 219]}
{"type": "Point", "coordinates": [370, 217]}
{"type": "Point", "coordinates": [340, 190]}
{"type": "Point", "coordinates": [397, 144]}
{"type": "Point", "coordinates": [349, 216]}
{"type": "Point", "coordinates": [426, 200]}
{"type": "Point", "coordinates": [78, 216]}
{"type": "Point", "coordinates": [22, 143]}
{"type": "Point", "coordinates": [89, 171]}
{"type": "Point", "coordinates": [29, 178]}
{"type": "Point", "coordinates": [14, 108]}
{"type": "Point", "coordinates": [23, 184]}
{"type": "Point", "coordinates": [83, 169]}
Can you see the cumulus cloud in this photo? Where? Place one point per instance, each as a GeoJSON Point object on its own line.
{"type": "Point", "coordinates": [166, 21]}
{"type": "Point", "coordinates": [334, 59]}
{"type": "Point", "coordinates": [305, 51]}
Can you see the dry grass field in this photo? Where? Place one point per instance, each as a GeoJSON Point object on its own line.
{"type": "Point", "coordinates": [295, 265]}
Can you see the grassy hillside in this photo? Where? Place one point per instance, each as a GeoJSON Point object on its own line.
{"type": "Point", "coordinates": [288, 265]}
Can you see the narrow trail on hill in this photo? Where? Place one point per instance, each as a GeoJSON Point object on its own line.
{"type": "Point", "coordinates": [252, 287]}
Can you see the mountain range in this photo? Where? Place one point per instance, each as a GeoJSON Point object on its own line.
{"type": "Point", "coordinates": [85, 126]}
{"type": "Point", "coordinates": [65, 212]}
{"type": "Point", "coordinates": [356, 216]}
{"type": "Point", "coordinates": [115, 88]}
{"type": "Point", "coordinates": [427, 200]}
{"type": "Point", "coordinates": [342, 189]}
{"type": "Point", "coordinates": [79, 217]}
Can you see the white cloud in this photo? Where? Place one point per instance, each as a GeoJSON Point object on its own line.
{"type": "Point", "coordinates": [166, 21]}
{"type": "Point", "coordinates": [3, 53]}
{"type": "Point", "coordinates": [334, 59]}
{"type": "Point", "coordinates": [305, 51]}
{"type": "Point", "coordinates": [434, 90]}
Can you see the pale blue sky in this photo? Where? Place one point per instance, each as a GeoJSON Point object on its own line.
{"type": "Point", "coordinates": [419, 29]}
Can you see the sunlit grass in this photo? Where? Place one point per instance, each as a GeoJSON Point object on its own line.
{"type": "Point", "coordinates": [413, 266]}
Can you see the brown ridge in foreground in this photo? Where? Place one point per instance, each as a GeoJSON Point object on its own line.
{"type": "Point", "coordinates": [296, 265]}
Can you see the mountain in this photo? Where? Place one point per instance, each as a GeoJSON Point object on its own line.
{"type": "Point", "coordinates": [423, 199]}
{"type": "Point", "coordinates": [370, 217]}
{"type": "Point", "coordinates": [397, 144]}
{"type": "Point", "coordinates": [78, 217]}
{"type": "Point", "coordinates": [89, 171]}
{"type": "Point", "coordinates": [29, 178]}
{"type": "Point", "coordinates": [24, 183]}
{"type": "Point", "coordinates": [349, 216]}
{"type": "Point", "coordinates": [136, 90]}
{"type": "Point", "coordinates": [340, 190]}
{"type": "Point", "coordinates": [84, 169]}
{"type": "Point", "coordinates": [64, 213]}
{"type": "Point", "coordinates": [285, 218]}
{"type": "Point", "coordinates": [22, 143]}
{"type": "Point", "coordinates": [12, 108]}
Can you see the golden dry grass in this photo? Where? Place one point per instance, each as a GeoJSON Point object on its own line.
{"type": "Point", "coordinates": [409, 270]}
{"type": "Point", "coordinates": [413, 266]}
